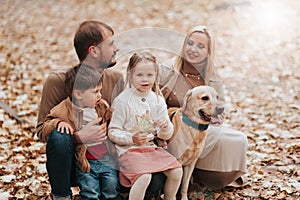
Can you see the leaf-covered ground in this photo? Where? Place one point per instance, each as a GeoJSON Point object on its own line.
{"type": "Point", "coordinates": [257, 52]}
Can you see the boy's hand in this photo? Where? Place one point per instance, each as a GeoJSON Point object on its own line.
{"type": "Point", "coordinates": [64, 126]}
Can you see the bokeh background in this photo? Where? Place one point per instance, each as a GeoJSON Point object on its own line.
{"type": "Point", "coordinates": [257, 53]}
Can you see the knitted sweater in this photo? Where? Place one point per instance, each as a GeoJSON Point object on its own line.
{"type": "Point", "coordinates": [127, 106]}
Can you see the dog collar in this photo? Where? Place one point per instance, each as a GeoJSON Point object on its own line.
{"type": "Point", "coordinates": [189, 122]}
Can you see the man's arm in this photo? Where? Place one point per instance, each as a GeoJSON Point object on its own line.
{"type": "Point", "coordinates": [91, 133]}
{"type": "Point", "coordinates": [113, 84]}
{"type": "Point", "coordinates": [53, 93]}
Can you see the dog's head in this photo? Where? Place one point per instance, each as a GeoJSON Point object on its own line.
{"type": "Point", "coordinates": [201, 104]}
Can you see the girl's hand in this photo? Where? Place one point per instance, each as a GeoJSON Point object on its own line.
{"type": "Point", "coordinates": [139, 138]}
{"type": "Point", "coordinates": [64, 126]}
{"type": "Point", "coordinates": [161, 123]}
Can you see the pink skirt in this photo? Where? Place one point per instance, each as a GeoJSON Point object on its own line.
{"type": "Point", "coordinates": [146, 160]}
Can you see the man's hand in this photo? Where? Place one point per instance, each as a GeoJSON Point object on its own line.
{"type": "Point", "coordinates": [92, 133]}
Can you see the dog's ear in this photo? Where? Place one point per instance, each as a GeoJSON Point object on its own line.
{"type": "Point", "coordinates": [186, 99]}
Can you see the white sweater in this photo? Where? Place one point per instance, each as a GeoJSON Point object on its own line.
{"type": "Point", "coordinates": [127, 106]}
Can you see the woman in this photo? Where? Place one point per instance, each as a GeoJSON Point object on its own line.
{"type": "Point", "coordinates": [223, 160]}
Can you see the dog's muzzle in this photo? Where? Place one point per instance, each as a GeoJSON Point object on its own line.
{"type": "Point", "coordinates": [204, 115]}
{"type": "Point", "coordinates": [219, 110]}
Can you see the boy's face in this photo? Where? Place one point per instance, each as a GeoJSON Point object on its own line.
{"type": "Point", "coordinates": [90, 97]}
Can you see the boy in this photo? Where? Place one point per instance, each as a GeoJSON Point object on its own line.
{"type": "Point", "coordinates": [96, 170]}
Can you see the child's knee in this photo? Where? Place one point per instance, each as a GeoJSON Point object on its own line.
{"type": "Point", "coordinates": [146, 178]}
{"type": "Point", "coordinates": [178, 172]}
{"type": "Point", "coordinates": [175, 174]}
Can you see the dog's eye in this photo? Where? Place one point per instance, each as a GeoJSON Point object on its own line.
{"type": "Point", "coordinates": [205, 98]}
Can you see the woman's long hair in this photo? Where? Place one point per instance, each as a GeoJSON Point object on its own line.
{"type": "Point", "coordinates": [210, 72]}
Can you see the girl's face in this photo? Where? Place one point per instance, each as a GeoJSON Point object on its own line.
{"type": "Point", "coordinates": [90, 97]}
{"type": "Point", "coordinates": [143, 76]}
{"type": "Point", "coordinates": [196, 48]}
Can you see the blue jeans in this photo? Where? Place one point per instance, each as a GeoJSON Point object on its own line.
{"type": "Point", "coordinates": [101, 182]}
{"type": "Point", "coordinates": [60, 163]}
{"type": "Point", "coordinates": [61, 166]}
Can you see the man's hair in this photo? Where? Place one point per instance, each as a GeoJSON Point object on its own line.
{"type": "Point", "coordinates": [81, 78]}
{"type": "Point", "coordinates": [89, 33]}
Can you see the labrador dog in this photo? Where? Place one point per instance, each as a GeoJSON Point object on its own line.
{"type": "Point", "coordinates": [190, 128]}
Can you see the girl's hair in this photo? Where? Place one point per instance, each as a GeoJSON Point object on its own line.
{"type": "Point", "coordinates": [89, 33]}
{"type": "Point", "coordinates": [144, 57]}
{"type": "Point", "coordinates": [82, 77]}
{"type": "Point", "coordinates": [210, 72]}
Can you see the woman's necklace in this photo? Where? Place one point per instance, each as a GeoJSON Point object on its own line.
{"type": "Point", "coordinates": [197, 76]}
{"type": "Point", "coordinates": [193, 79]}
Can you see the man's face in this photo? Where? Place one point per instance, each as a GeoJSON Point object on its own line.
{"type": "Point", "coordinates": [108, 51]}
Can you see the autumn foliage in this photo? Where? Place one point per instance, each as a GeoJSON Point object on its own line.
{"type": "Point", "coordinates": [257, 53]}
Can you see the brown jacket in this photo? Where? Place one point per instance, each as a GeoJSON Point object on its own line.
{"type": "Point", "coordinates": [170, 80]}
{"type": "Point", "coordinates": [68, 112]}
{"type": "Point", "coordinates": [54, 92]}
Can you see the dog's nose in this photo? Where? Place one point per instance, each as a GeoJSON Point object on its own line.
{"type": "Point", "coordinates": [220, 110]}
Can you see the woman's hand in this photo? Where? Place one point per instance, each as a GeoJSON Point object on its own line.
{"type": "Point", "coordinates": [64, 126]}
{"type": "Point", "coordinates": [139, 138]}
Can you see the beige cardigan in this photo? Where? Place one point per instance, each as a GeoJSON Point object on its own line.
{"type": "Point", "coordinates": [127, 106]}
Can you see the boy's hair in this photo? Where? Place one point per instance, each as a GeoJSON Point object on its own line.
{"type": "Point", "coordinates": [82, 78]}
{"type": "Point", "coordinates": [145, 57]}
{"type": "Point", "coordinates": [86, 78]}
{"type": "Point", "coordinates": [89, 33]}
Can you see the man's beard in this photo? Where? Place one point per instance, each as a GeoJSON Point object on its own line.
{"type": "Point", "coordinates": [108, 64]}
{"type": "Point", "coordinates": [103, 65]}
{"type": "Point", "coordinates": [111, 64]}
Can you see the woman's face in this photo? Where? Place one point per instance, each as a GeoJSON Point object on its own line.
{"type": "Point", "coordinates": [196, 48]}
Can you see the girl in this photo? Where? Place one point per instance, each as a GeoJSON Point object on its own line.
{"type": "Point", "coordinates": [140, 112]}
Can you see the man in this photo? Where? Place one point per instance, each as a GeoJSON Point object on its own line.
{"type": "Point", "coordinates": [95, 47]}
